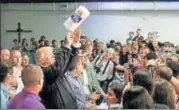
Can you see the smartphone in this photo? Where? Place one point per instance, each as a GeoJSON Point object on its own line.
{"type": "Point", "coordinates": [168, 60]}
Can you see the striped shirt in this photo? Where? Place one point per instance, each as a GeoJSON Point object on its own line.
{"type": "Point", "coordinates": [81, 98]}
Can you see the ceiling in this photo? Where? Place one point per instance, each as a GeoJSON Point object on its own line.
{"type": "Point", "coordinates": [51, 1]}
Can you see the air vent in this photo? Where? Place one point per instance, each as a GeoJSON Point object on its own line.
{"type": "Point", "coordinates": [63, 5]}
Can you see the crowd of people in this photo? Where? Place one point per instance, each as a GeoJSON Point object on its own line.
{"type": "Point", "coordinates": [143, 73]}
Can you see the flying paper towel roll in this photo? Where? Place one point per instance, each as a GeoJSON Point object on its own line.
{"type": "Point", "coordinates": [75, 20]}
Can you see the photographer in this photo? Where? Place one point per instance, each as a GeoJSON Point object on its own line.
{"type": "Point", "coordinates": [103, 66]}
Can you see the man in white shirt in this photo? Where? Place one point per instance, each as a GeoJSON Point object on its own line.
{"type": "Point", "coordinates": [16, 59]}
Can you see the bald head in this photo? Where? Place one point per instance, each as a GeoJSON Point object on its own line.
{"type": "Point", "coordinates": [32, 75]}
{"type": "Point", "coordinates": [163, 72]}
{"type": "Point", "coordinates": [16, 57]}
{"type": "Point", "coordinates": [5, 54]}
{"type": "Point", "coordinates": [44, 56]}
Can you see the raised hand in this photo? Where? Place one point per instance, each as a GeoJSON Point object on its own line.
{"type": "Point", "coordinates": [77, 34]}
{"type": "Point", "coordinates": [70, 37]}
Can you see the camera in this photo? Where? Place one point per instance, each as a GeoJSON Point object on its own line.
{"type": "Point", "coordinates": [168, 60]}
{"type": "Point", "coordinates": [97, 69]}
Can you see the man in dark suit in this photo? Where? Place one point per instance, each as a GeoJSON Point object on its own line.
{"type": "Point", "coordinates": [56, 92]}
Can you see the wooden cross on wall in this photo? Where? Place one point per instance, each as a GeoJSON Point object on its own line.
{"type": "Point", "coordinates": [19, 31]}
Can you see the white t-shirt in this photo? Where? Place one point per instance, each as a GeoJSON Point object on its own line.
{"type": "Point", "coordinates": [20, 85]}
{"type": "Point", "coordinates": [86, 83]}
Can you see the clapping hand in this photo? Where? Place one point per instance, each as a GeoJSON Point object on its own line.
{"type": "Point", "coordinates": [95, 96]}
{"type": "Point", "coordinates": [90, 106]}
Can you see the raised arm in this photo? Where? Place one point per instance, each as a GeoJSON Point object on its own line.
{"type": "Point", "coordinates": [62, 58]}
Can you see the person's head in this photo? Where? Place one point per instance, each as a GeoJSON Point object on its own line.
{"type": "Point", "coordinates": [5, 54]}
{"type": "Point", "coordinates": [124, 49]}
{"type": "Point", "coordinates": [83, 55]}
{"type": "Point", "coordinates": [131, 34]}
{"type": "Point", "coordinates": [112, 44]}
{"type": "Point", "coordinates": [115, 90]}
{"type": "Point", "coordinates": [151, 46]}
{"type": "Point", "coordinates": [143, 78]}
{"type": "Point", "coordinates": [151, 65]}
{"type": "Point", "coordinates": [32, 40]}
{"type": "Point", "coordinates": [7, 73]}
{"type": "Point", "coordinates": [47, 43]}
{"type": "Point", "coordinates": [25, 60]}
{"type": "Point", "coordinates": [43, 37]}
{"type": "Point", "coordinates": [164, 93]}
{"type": "Point", "coordinates": [95, 42]}
{"type": "Point", "coordinates": [162, 46]}
{"type": "Point", "coordinates": [83, 39]}
{"type": "Point", "coordinates": [150, 36]}
{"type": "Point", "coordinates": [164, 72]}
{"type": "Point", "coordinates": [151, 56]}
{"type": "Point", "coordinates": [134, 48]}
{"type": "Point", "coordinates": [174, 66]}
{"type": "Point", "coordinates": [24, 42]}
{"type": "Point", "coordinates": [32, 78]}
{"type": "Point", "coordinates": [54, 43]}
{"type": "Point", "coordinates": [44, 56]}
{"type": "Point", "coordinates": [175, 58]}
{"type": "Point", "coordinates": [100, 46]}
{"type": "Point", "coordinates": [112, 41]}
{"type": "Point", "coordinates": [109, 53]}
{"type": "Point", "coordinates": [118, 46]}
{"type": "Point", "coordinates": [143, 46]}
{"type": "Point", "coordinates": [138, 31]}
{"type": "Point", "coordinates": [76, 66]}
{"type": "Point", "coordinates": [41, 43]}
{"type": "Point", "coordinates": [151, 60]}
{"type": "Point", "coordinates": [36, 44]}
{"type": "Point", "coordinates": [16, 57]}
{"type": "Point", "coordinates": [88, 47]}
{"type": "Point", "coordinates": [62, 43]}
{"type": "Point", "coordinates": [137, 97]}
{"type": "Point", "coordinates": [15, 41]}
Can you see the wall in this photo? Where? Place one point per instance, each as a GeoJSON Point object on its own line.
{"type": "Point", "coordinates": [104, 25]}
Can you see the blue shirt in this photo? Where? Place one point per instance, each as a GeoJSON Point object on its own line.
{"type": "Point", "coordinates": [25, 100]}
{"type": "Point", "coordinates": [81, 98]}
{"type": "Point", "coordinates": [4, 97]}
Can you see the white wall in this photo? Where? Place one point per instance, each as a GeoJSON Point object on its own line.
{"type": "Point", "coordinates": [104, 25]}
